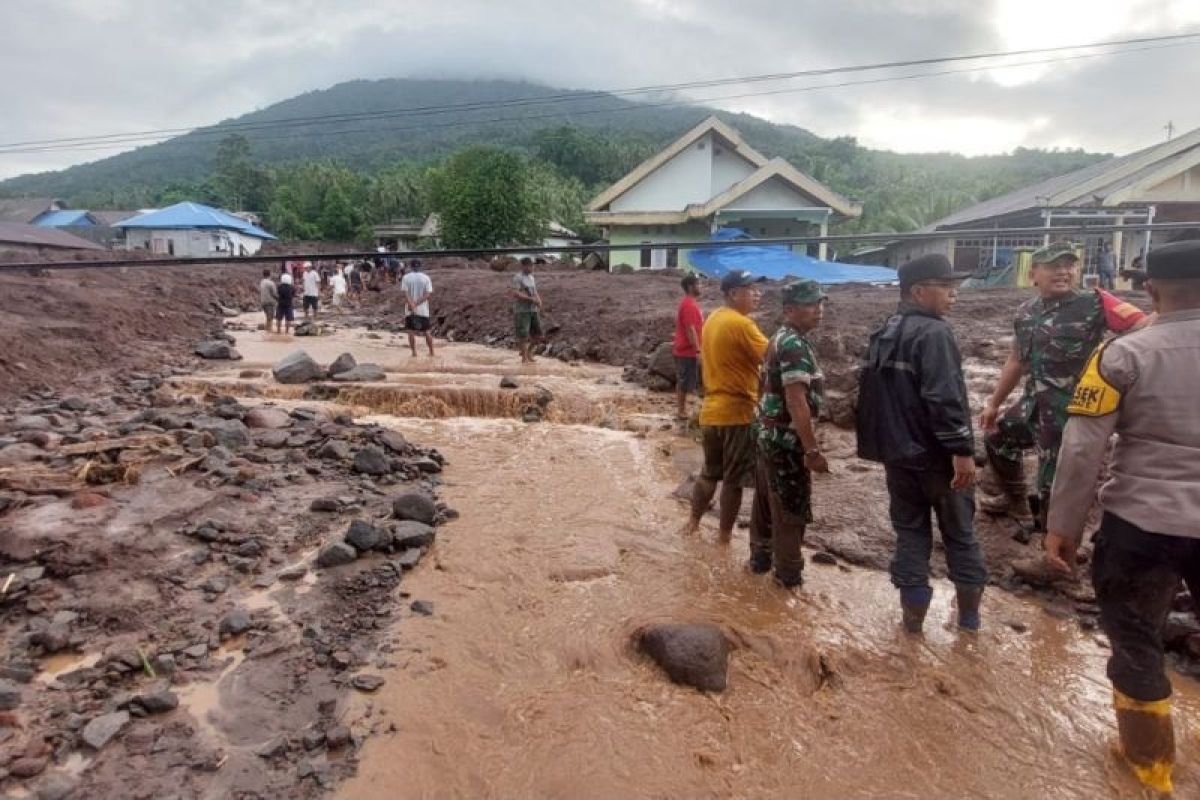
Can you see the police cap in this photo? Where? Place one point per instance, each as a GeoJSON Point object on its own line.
{"type": "Point", "coordinates": [932, 267]}
{"type": "Point", "coordinates": [1177, 261]}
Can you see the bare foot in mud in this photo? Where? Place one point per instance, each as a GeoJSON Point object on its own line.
{"type": "Point", "coordinates": [690, 528]}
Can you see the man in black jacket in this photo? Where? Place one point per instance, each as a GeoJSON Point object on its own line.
{"type": "Point", "coordinates": [915, 418]}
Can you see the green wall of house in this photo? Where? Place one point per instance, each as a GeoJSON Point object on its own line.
{"type": "Point", "coordinates": [635, 236]}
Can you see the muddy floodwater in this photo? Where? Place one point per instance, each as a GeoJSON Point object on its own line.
{"type": "Point", "coordinates": [523, 684]}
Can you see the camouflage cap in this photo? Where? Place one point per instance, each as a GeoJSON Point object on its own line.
{"type": "Point", "coordinates": [803, 293]}
{"type": "Point", "coordinates": [1053, 252]}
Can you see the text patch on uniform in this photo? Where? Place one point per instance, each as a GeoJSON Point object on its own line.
{"type": "Point", "coordinates": [1094, 396]}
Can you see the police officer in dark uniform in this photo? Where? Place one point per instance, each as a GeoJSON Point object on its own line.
{"type": "Point", "coordinates": [1145, 388]}
{"type": "Point", "coordinates": [914, 416]}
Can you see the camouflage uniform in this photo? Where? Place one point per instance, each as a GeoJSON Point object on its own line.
{"type": "Point", "coordinates": [783, 486]}
{"type": "Point", "coordinates": [1054, 339]}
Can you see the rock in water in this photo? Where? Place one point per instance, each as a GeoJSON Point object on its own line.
{"type": "Point", "coordinates": [412, 534]}
{"type": "Point", "coordinates": [297, 367]}
{"type": "Point", "coordinates": [416, 506]}
{"type": "Point", "coordinates": [101, 730]}
{"type": "Point", "coordinates": [336, 554]}
{"type": "Point", "coordinates": [343, 363]}
{"type": "Point", "coordinates": [363, 373]}
{"type": "Point", "coordinates": [217, 349]}
{"type": "Point", "coordinates": [393, 441]}
{"type": "Point", "coordinates": [692, 654]}
{"type": "Point", "coordinates": [371, 461]}
{"type": "Point", "coordinates": [509, 382]}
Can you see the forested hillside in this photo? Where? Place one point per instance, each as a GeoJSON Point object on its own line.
{"type": "Point", "coordinates": [365, 151]}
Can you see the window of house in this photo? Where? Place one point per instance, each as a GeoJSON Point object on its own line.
{"type": "Point", "coordinates": [644, 262]}
{"type": "Point", "coordinates": [645, 230]}
{"type": "Point", "coordinates": [658, 229]}
{"type": "Point", "coordinates": [672, 258]}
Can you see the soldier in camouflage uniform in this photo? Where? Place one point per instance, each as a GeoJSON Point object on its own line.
{"type": "Point", "coordinates": [785, 431]}
{"type": "Point", "coordinates": [1054, 335]}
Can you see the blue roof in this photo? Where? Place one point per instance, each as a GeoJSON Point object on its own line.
{"type": "Point", "coordinates": [778, 262]}
{"type": "Point", "coordinates": [62, 219]}
{"type": "Point", "coordinates": [193, 215]}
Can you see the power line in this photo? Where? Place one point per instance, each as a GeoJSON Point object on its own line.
{"type": "Point", "coordinates": [633, 108]}
{"type": "Point", "coordinates": [113, 139]}
{"type": "Point", "coordinates": [977, 233]}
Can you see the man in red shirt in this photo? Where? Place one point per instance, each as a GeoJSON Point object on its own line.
{"type": "Point", "coordinates": [689, 321]}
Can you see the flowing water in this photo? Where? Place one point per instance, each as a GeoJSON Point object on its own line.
{"type": "Point", "coordinates": [523, 682]}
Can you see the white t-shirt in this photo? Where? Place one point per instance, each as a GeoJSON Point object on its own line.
{"type": "Point", "coordinates": [339, 283]}
{"type": "Point", "coordinates": [417, 287]}
{"type": "Point", "coordinates": [312, 284]}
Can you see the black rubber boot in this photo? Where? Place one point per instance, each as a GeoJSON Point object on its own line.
{"type": "Point", "coordinates": [1013, 499]}
{"type": "Point", "coordinates": [914, 604]}
{"type": "Point", "coordinates": [968, 598]}
{"type": "Point", "coordinates": [759, 563]}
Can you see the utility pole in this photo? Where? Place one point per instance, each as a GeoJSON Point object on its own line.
{"type": "Point", "coordinates": [1170, 129]}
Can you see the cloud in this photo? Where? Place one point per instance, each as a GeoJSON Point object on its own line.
{"type": "Point", "coordinates": [79, 68]}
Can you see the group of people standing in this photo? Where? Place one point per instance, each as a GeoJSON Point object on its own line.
{"type": "Point", "coordinates": [1089, 371]}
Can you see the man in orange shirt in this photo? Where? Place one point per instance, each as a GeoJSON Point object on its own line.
{"type": "Point", "coordinates": [731, 352]}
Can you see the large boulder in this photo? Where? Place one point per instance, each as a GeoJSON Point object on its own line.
{"type": "Point", "coordinates": [297, 367]}
{"type": "Point", "coordinates": [343, 363]}
{"type": "Point", "coordinates": [691, 654]}
{"type": "Point", "coordinates": [217, 349]}
{"type": "Point", "coordinates": [270, 417]}
{"type": "Point", "coordinates": [335, 554]}
{"type": "Point", "coordinates": [408, 534]}
{"type": "Point", "coordinates": [230, 433]}
{"type": "Point", "coordinates": [662, 363]}
{"type": "Point", "coordinates": [361, 374]}
{"type": "Point", "coordinates": [371, 461]}
{"type": "Point", "coordinates": [416, 506]}
{"type": "Point", "coordinates": [364, 536]}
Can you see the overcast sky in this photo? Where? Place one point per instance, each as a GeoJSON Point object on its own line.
{"type": "Point", "coordinates": [86, 67]}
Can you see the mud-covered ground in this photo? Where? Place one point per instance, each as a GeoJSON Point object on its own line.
{"type": "Point", "coordinates": [162, 612]}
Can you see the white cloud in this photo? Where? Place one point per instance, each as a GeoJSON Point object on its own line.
{"type": "Point", "coordinates": [79, 67]}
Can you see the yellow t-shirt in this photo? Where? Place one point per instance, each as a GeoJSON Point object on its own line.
{"type": "Point", "coordinates": [731, 354]}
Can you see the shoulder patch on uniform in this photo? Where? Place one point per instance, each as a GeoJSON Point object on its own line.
{"type": "Point", "coordinates": [1094, 396]}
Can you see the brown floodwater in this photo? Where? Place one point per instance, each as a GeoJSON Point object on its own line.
{"type": "Point", "coordinates": [523, 684]}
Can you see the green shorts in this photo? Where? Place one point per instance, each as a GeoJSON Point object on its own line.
{"type": "Point", "coordinates": [729, 454]}
{"type": "Point", "coordinates": [529, 323]}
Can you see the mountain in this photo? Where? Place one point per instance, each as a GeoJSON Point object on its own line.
{"type": "Point", "coordinates": [410, 122]}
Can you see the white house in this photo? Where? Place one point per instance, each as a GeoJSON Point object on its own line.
{"type": "Point", "coordinates": [707, 179]}
{"type": "Point", "coordinates": [192, 230]}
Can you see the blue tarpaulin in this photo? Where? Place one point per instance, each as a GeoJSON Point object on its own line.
{"type": "Point", "coordinates": [193, 215]}
{"type": "Point", "coordinates": [776, 261]}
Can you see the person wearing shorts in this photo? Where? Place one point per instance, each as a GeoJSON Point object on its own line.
{"type": "Point", "coordinates": [685, 347]}
{"type": "Point", "coordinates": [731, 354]}
{"type": "Point", "coordinates": [527, 306]}
{"type": "Point", "coordinates": [417, 288]}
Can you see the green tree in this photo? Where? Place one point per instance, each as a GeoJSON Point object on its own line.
{"type": "Point", "coordinates": [239, 184]}
{"type": "Point", "coordinates": [319, 200]}
{"type": "Point", "coordinates": [484, 197]}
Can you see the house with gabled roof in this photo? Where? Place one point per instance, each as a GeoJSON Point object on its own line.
{"type": "Point", "coordinates": [707, 179]}
{"type": "Point", "coordinates": [1160, 183]}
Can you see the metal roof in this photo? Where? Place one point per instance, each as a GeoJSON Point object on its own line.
{"type": "Point", "coordinates": [188, 215]}
{"type": "Point", "coordinates": [1089, 186]}
{"type": "Point", "coordinates": [64, 218]}
{"type": "Point", "coordinates": [35, 236]}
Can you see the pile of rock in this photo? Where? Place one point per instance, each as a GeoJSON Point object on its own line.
{"type": "Point", "coordinates": [299, 367]}
{"type": "Point", "coordinates": [408, 536]}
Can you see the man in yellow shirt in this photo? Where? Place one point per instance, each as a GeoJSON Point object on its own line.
{"type": "Point", "coordinates": [731, 352]}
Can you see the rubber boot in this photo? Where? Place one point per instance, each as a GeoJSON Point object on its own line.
{"type": "Point", "coordinates": [760, 562]}
{"type": "Point", "coordinates": [968, 598]}
{"type": "Point", "coordinates": [1147, 739]}
{"type": "Point", "coordinates": [1013, 499]}
{"type": "Point", "coordinates": [914, 603]}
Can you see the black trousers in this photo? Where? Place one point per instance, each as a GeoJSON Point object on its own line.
{"type": "Point", "coordinates": [1136, 575]}
{"type": "Point", "coordinates": [917, 496]}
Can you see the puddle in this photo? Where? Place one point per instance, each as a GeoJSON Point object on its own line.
{"type": "Point", "coordinates": [59, 664]}
{"type": "Point", "coordinates": [202, 697]}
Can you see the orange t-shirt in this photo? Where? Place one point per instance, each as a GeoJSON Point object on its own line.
{"type": "Point", "coordinates": [731, 354]}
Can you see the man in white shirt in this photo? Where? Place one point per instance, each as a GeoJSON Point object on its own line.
{"type": "Point", "coordinates": [339, 287]}
{"type": "Point", "coordinates": [417, 288]}
{"type": "Point", "coordinates": [312, 290]}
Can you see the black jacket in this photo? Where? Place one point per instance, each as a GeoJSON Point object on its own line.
{"type": "Point", "coordinates": [913, 409]}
